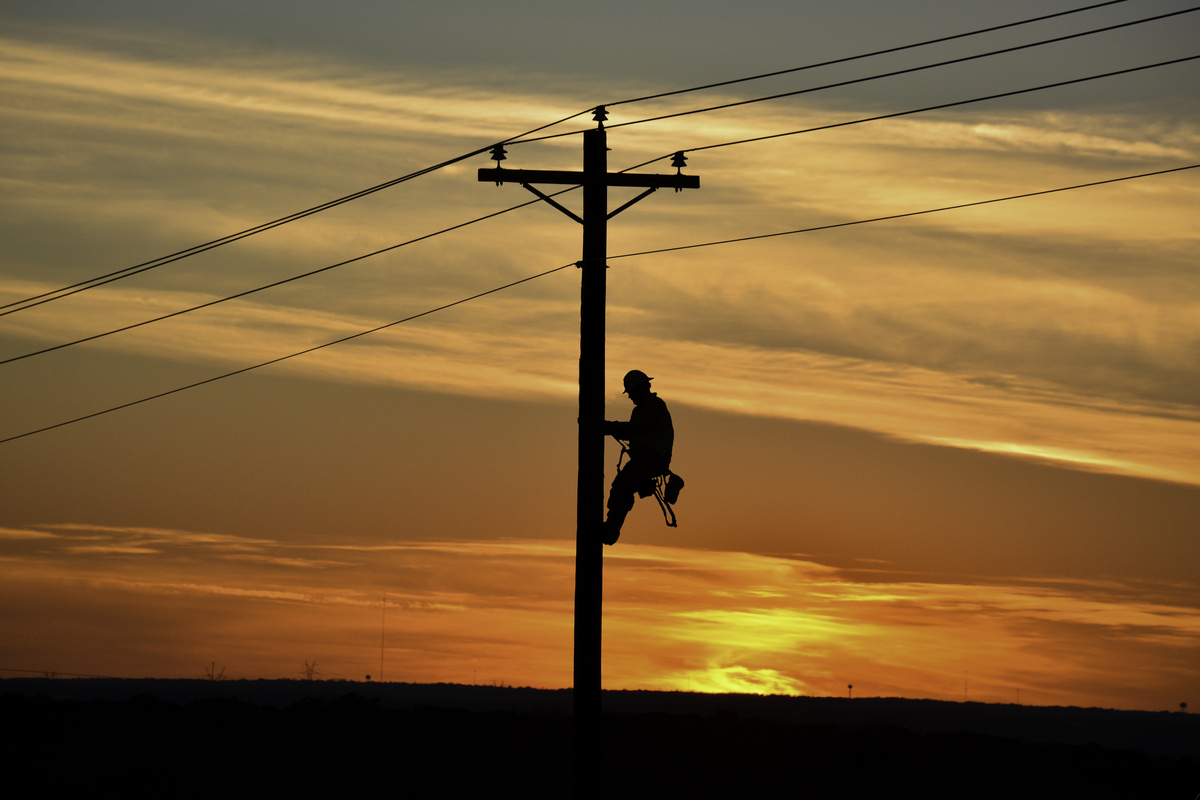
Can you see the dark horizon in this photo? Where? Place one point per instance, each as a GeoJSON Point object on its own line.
{"type": "Point", "coordinates": [315, 735]}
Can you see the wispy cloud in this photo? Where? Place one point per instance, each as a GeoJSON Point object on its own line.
{"type": "Point", "coordinates": [24, 534]}
{"type": "Point", "coordinates": [229, 84]}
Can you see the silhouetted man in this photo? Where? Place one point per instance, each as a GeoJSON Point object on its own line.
{"type": "Point", "coordinates": [650, 436]}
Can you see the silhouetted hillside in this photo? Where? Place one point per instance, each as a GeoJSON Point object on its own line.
{"type": "Point", "coordinates": [267, 738]}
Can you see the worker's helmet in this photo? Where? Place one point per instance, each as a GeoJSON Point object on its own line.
{"type": "Point", "coordinates": [635, 378]}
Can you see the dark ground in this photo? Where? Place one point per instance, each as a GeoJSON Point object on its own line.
{"type": "Point", "coordinates": [129, 738]}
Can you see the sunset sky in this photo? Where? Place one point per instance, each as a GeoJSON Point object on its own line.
{"type": "Point", "coordinates": [950, 456]}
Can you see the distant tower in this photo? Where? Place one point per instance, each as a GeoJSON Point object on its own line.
{"type": "Point", "coordinates": [850, 691]}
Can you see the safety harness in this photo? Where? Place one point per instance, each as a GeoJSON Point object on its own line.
{"type": "Point", "coordinates": [666, 487]}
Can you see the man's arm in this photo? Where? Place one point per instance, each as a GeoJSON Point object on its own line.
{"type": "Point", "coordinates": [617, 429]}
{"type": "Point", "coordinates": [641, 422]}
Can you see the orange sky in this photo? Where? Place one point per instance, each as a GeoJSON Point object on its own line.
{"type": "Point", "coordinates": [500, 611]}
{"type": "Point", "coordinates": [955, 455]}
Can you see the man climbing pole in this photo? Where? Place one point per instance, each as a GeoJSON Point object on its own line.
{"type": "Point", "coordinates": [650, 436]}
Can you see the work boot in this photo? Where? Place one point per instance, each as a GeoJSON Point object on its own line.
{"type": "Point", "coordinates": [674, 486]}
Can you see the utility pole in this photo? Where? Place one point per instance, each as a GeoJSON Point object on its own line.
{"type": "Point", "coordinates": [589, 515]}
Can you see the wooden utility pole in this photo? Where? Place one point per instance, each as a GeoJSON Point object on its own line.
{"type": "Point", "coordinates": [589, 515]}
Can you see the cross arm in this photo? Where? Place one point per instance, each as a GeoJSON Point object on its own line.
{"type": "Point", "coordinates": [500, 175]}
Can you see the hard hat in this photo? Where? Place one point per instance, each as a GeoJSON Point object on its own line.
{"type": "Point", "coordinates": [635, 377]}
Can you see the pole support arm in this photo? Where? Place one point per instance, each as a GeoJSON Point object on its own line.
{"type": "Point", "coordinates": [641, 196]}
{"type": "Point", "coordinates": [555, 203]}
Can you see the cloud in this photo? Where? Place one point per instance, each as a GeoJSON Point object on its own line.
{"type": "Point", "coordinates": [23, 534]}
{"type": "Point", "coordinates": [224, 86]}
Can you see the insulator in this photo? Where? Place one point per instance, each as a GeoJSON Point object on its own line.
{"type": "Point", "coordinates": [600, 114]}
{"type": "Point", "coordinates": [498, 153]}
{"type": "Point", "coordinates": [680, 160]}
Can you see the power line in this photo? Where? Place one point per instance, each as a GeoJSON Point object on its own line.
{"type": "Point", "coordinates": [293, 355]}
{"type": "Point", "coordinates": [909, 70]}
{"type": "Point", "coordinates": [100, 280]}
{"type": "Point", "coordinates": [66, 291]}
{"type": "Point", "coordinates": [905, 214]}
{"type": "Point", "coordinates": [531, 202]}
{"type": "Point", "coordinates": [872, 54]}
{"type": "Point", "coordinates": [923, 109]}
{"type": "Point", "coordinates": [868, 78]}
{"type": "Point", "coordinates": [610, 258]}
{"type": "Point", "coordinates": [50, 673]}
{"type": "Point", "coordinates": [271, 285]}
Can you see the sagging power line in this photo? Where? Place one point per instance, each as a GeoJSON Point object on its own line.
{"type": "Point", "coordinates": [828, 126]}
{"type": "Point", "coordinates": [869, 78]}
{"type": "Point", "coordinates": [313, 349]}
{"type": "Point", "coordinates": [100, 280]}
{"type": "Point", "coordinates": [924, 109]}
{"type": "Point", "coordinates": [545, 273]}
{"type": "Point", "coordinates": [264, 287]}
{"type": "Point", "coordinates": [136, 269]}
{"type": "Point", "coordinates": [871, 54]}
{"type": "Point", "coordinates": [905, 214]}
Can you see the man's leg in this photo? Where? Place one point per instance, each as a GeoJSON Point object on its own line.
{"type": "Point", "coordinates": [620, 501]}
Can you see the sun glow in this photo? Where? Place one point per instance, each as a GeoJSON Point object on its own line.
{"type": "Point", "coordinates": [675, 619]}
